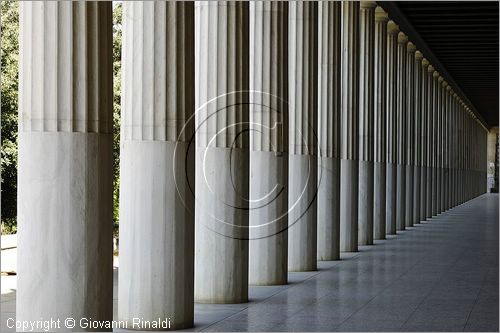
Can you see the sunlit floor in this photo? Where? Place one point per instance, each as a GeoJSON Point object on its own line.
{"type": "Point", "coordinates": [441, 275]}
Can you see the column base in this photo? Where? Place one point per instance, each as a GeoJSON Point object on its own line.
{"type": "Point", "coordinates": [302, 218]}
{"type": "Point", "coordinates": [390, 206]}
{"type": "Point", "coordinates": [329, 209]}
{"type": "Point", "coordinates": [65, 229]}
{"type": "Point", "coordinates": [221, 232]}
{"type": "Point", "coordinates": [400, 197]}
{"type": "Point", "coordinates": [379, 200]}
{"type": "Point", "coordinates": [156, 277]}
{"type": "Point", "coordinates": [268, 232]}
{"type": "Point", "coordinates": [365, 203]}
{"type": "Point", "coordinates": [349, 188]}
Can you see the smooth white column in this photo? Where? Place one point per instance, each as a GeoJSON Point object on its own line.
{"type": "Point", "coordinates": [268, 143]}
{"type": "Point", "coordinates": [391, 114]}
{"type": "Point", "coordinates": [401, 132]}
{"type": "Point", "coordinates": [423, 139]}
{"type": "Point", "coordinates": [303, 143]}
{"type": "Point", "coordinates": [65, 166]}
{"type": "Point", "coordinates": [329, 19]}
{"type": "Point", "coordinates": [410, 133]}
{"type": "Point", "coordinates": [222, 152]}
{"type": "Point", "coordinates": [350, 126]}
{"type": "Point", "coordinates": [380, 126]}
{"type": "Point", "coordinates": [366, 123]}
{"type": "Point", "coordinates": [157, 164]}
{"type": "Point", "coordinates": [417, 137]}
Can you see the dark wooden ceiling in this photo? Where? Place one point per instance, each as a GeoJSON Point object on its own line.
{"type": "Point", "coordinates": [463, 35]}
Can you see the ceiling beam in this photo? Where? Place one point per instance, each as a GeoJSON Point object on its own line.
{"type": "Point", "coordinates": [397, 16]}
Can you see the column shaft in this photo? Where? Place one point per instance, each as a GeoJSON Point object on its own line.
{"type": "Point", "coordinates": [303, 146]}
{"type": "Point", "coordinates": [350, 126]}
{"type": "Point", "coordinates": [380, 125]}
{"type": "Point", "coordinates": [366, 71]}
{"type": "Point", "coordinates": [268, 143]}
{"type": "Point", "coordinates": [329, 25]}
{"type": "Point", "coordinates": [401, 133]}
{"type": "Point", "coordinates": [434, 143]}
{"type": "Point", "coordinates": [410, 133]}
{"type": "Point", "coordinates": [423, 140]}
{"type": "Point", "coordinates": [430, 139]}
{"type": "Point", "coordinates": [157, 165]}
{"type": "Point", "coordinates": [65, 188]}
{"type": "Point", "coordinates": [417, 169]}
{"type": "Point", "coordinates": [222, 152]}
{"type": "Point", "coordinates": [391, 115]}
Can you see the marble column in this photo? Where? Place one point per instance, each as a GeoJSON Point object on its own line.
{"type": "Point", "coordinates": [329, 34]}
{"type": "Point", "coordinates": [350, 127]}
{"type": "Point", "coordinates": [401, 133]}
{"type": "Point", "coordinates": [366, 72]}
{"type": "Point", "coordinates": [454, 160]}
{"type": "Point", "coordinates": [222, 152]}
{"type": "Point", "coordinates": [391, 116]}
{"type": "Point", "coordinates": [434, 142]}
{"type": "Point", "coordinates": [157, 164]}
{"type": "Point", "coordinates": [423, 140]}
{"type": "Point", "coordinates": [380, 125]}
{"type": "Point", "coordinates": [440, 143]}
{"type": "Point", "coordinates": [268, 143]}
{"type": "Point", "coordinates": [417, 137]}
{"type": "Point", "coordinates": [430, 140]}
{"type": "Point", "coordinates": [448, 148]}
{"type": "Point", "coordinates": [410, 133]}
{"type": "Point", "coordinates": [65, 166]}
{"type": "Point", "coordinates": [303, 142]}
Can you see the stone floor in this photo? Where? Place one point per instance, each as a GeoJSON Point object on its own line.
{"type": "Point", "coordinates": [441, 275]}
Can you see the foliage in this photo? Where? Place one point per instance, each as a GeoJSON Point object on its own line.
{"type": "Point", "coordinates": [117, 52]}
{"type": "Point", "coordinates": [9, 96]}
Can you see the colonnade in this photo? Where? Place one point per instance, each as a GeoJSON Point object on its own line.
{"type": "Point", "coordinates": [256, 139]}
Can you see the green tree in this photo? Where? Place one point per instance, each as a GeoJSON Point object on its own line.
{"type": "Point", "coordinates": [117, 54]}
{"type": "Point", "coordinates": [9, 110]}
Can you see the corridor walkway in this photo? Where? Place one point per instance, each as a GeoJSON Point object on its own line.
{"type": "Point", "coordinates": [441, 275]}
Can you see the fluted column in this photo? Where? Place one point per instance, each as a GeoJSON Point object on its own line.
{"type": "Point", "coordinates": [391, 116]}
{"type": "Point", "coordinates": [380, 125]}
{"type": "Point", "coordinates": [366, 77]}
{"type": "Point", "coordinates": [439, 144]}
{"type": "Point", "coordinates": [401, 133]}
{"type": "Point", "coordinates": [454, 149]}
{"type": "Point", "coordinates": [448, 148]}
{"type": "Point", "coordinates": [157, 163]}
{"type": "Point", "coordinates": [423, 140]}
{"type": "Point", "coordinates": [329, 34]}
{"type": "Point", "coordinates": [222, 152]}
{"type": "Point", "coordinates": [350, 127]}
{"type": "Point", "coordinates": [65, 166]}
{"type": "Point", "coordinates": [303, 160]}
{"type": "Point", "coordinates": [430, 139]}
{"type": "Point", "coordinates": [434, 142]}
{"type": "Point", "coordinates": [443, 150]}
{"type": "Point", "coordinates": [410, 133]}
{"type": "Point", "coordinates": [268, 143]}
{"type": "Point", "coordinates": [417, 137]}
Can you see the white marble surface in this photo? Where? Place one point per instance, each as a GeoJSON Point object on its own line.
{"type": "Point", "coordinates": [65, 226]}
